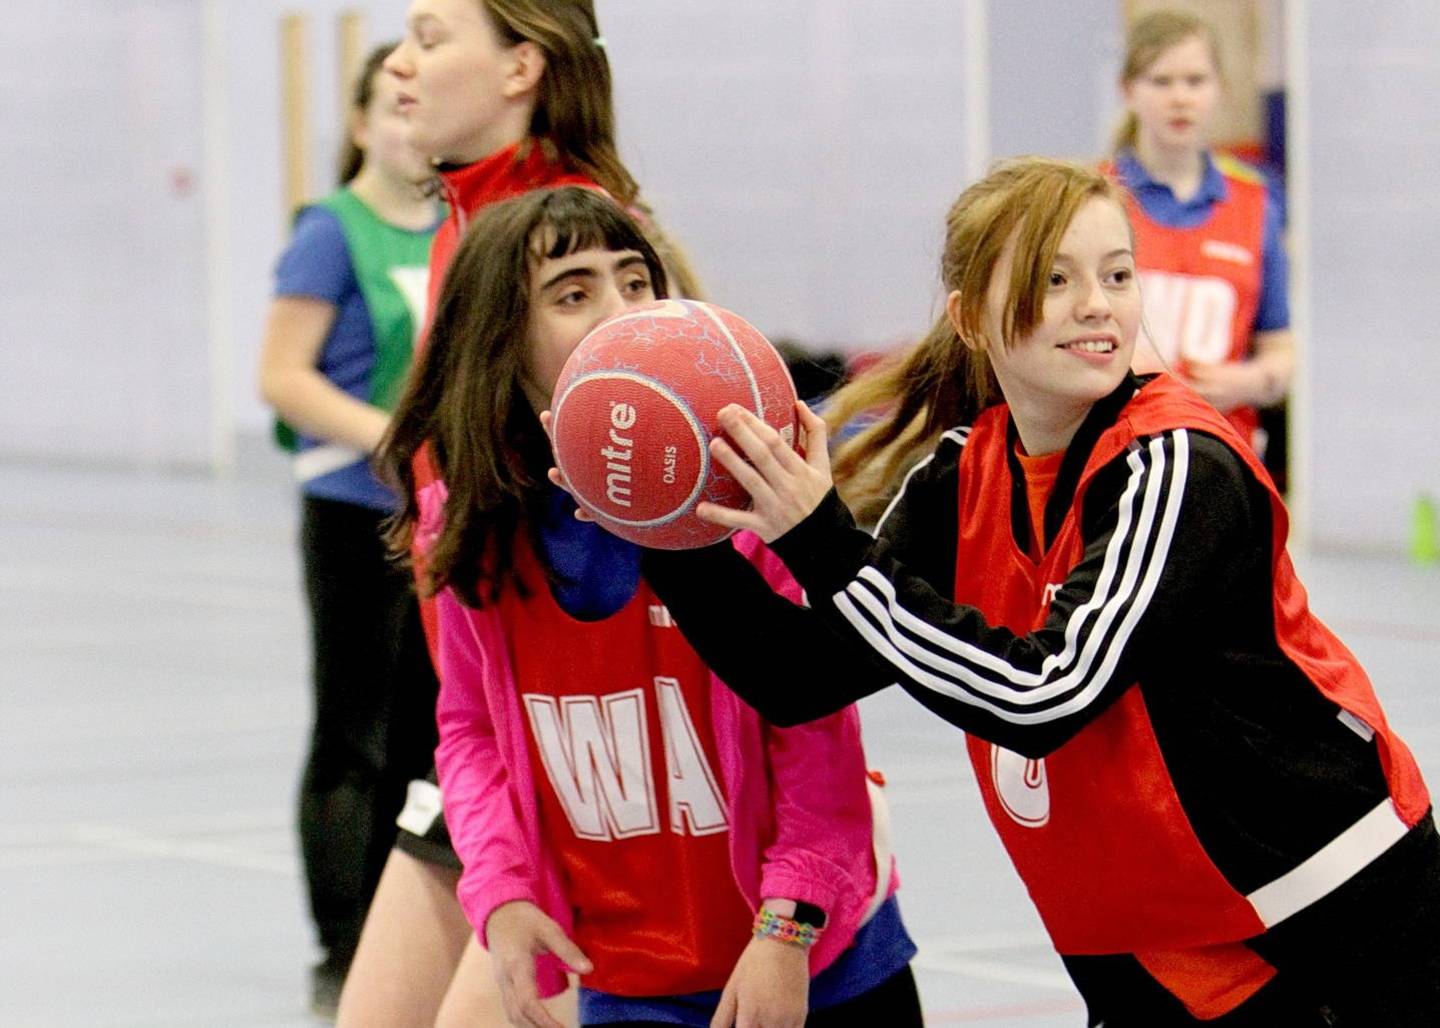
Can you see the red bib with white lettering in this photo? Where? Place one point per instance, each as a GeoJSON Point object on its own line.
{"type": "Point", "coordinates": [1097, 829]}
{"type": "Point", "coordinates": [623, 749]}
{"type": "Point", "coordinates": [1201, 285]}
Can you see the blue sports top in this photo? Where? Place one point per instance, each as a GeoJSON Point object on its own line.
{"type": "Point", "coordinates": [318, 264]}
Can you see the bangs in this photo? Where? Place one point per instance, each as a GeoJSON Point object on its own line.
{"type": "Point", "coordinates": [573, 219]}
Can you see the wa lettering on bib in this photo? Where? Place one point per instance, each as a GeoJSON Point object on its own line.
{"type": "Point", "coordinates": [597, 757]}
{"type": "Point", "coordinates": [625, 767]}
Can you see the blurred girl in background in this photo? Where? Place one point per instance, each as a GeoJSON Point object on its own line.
{"type": "Point", "coordinates": [506, 96]}
{"type": "Point", "coordinates": [349, 296]}
{"type": "Point", "coordinates": [1213, 269]}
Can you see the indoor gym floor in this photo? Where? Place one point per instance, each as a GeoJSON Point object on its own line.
{"type": "Point", "coordinates": [153, 709]}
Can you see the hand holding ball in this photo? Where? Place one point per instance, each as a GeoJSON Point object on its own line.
{"type": "Point", "coordinates": [637, 404]}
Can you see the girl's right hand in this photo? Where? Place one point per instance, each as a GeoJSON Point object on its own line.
{"type": "Point", "coordinates": [517, 933]}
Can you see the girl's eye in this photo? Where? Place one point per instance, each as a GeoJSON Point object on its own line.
{"type": "Point", "coordinates": [1057, 280]}
{"type": "Point", "coordinates": [571, 297]}
{"type": "Point", "coordinates": [638, 286]}
{"type": "Point", "coordinates": [1121, 276]}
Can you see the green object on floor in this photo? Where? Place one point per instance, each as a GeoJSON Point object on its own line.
{"type": "Point", "coordinates": [1424, 536]}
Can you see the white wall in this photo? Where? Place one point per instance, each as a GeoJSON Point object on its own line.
{"type": "Point", "coordinates": [1053, 66]}
{"type": "Point", "coordinates": [103, 349]}
{"type": "Point", "coordinates": [805, 151]}
{"type": "Point", "coordinates": [1372, 352]}
{"type": "Point", "coordinates": [142, 213]}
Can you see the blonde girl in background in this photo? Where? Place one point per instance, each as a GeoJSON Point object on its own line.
{"type": "Point", "coordinates": [1213, 269]}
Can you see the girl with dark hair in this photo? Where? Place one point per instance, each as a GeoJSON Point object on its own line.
{"type": "Point", "coordinates": [1088, 575]}
{"type": "Point", "coordinates": [617, 810]}
{"type": "Point", "coordinates": [350, 291]}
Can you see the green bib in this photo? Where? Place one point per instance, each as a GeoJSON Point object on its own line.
{"type": "Point", "coordinates": [392, 268]}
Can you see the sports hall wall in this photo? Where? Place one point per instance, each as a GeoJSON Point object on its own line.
{"type": "Point", "coordinates": [1369, 229]}
{"type": "Point", "coordinates": [803, 149]}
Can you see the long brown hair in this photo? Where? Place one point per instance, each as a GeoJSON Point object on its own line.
{"type": "Point", "coordinates": [1148, 38]}
{"type": "Point", "coordinates": [942, 382]}
{"type": "Point", "coordinates": [575, 112]}
{"type": "Point", "coordinates": [352, 158]}
{"type": "Point", "coordinates": [574, 117]}
{"type": "Point", "coordinates": [464, 396]}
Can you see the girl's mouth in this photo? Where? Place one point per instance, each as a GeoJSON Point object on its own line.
{"type": "Point", "coordinates": [1103, 345]}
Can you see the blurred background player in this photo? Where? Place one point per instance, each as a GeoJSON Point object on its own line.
{"type": "Point", "coordinates": [1213, 268]}
{"type": "Point", "coordinates": [506, 96]}
{"type": "Point", "coordinates": [349, 296]}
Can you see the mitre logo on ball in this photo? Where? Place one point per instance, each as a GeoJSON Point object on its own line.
{"type": "Point", "coordinates": [617, 475]}
{"type": "Point", "coordinates": [635, 408]}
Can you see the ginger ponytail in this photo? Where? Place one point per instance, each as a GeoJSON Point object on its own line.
{"type": "Point", "coordinates": [937, 384]}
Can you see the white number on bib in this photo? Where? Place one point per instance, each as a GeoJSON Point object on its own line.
{"type": "Point", "coordinates": [1021, 786]}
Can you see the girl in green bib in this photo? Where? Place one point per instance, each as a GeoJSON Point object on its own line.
{"type": "Point", "coordinates": [349, 300]}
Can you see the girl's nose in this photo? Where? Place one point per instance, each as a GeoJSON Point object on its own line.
{"type": "Point", "coordinates": [1092, 303]}
{"type": "Point", "coordinates": [613, 302]}
{"type": "Point", "coordinates": [398, 63]}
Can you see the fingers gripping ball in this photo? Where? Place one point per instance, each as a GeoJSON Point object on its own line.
{"type": "Point", "coordinates": [635, 408]}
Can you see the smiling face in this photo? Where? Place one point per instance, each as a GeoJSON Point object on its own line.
{"type": "Point", "coordinates": [465, 91]}
{"type": "Point", "coordinates": [570, 295]}
{"type": "Point", "coordinates": [1174, 99]}
{"type": "Point", "coordinates": [1081, 347]}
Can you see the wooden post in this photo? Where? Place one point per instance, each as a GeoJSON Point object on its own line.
{"type": "Point", "coordinates": [295, 108]}
{"type": "Point", "coordinates": [351, 49]}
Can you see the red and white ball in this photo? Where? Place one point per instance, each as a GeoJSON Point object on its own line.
{"type": "Point", "coordinates": [635, 408]}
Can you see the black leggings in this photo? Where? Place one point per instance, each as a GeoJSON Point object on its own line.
{"type": "Point", "coordinates": [894, 1003]}
{"type": "Point", "coordinates": [374, 726]}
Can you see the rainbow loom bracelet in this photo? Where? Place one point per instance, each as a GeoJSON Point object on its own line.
{"type": "Point", "coordinates": [770, 925]}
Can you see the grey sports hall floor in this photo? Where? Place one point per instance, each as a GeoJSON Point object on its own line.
{"type": "Point", "coordinates": [153, 707]}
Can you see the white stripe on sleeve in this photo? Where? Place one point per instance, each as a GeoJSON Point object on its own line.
{"type": "Point", "coordinates": [1095, 635]}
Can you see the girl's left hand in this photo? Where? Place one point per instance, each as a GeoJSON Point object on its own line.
{"type": "Point", "coordinates": [784, 487]}
{"type": "Point", "coordinates": [769, 988]}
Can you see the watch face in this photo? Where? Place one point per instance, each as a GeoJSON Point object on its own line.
{"type": "Point", "coordinates": [808, 913]}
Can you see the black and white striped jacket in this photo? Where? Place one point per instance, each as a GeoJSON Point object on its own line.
{"type": "Point", "coordinates": [1172, 595]}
